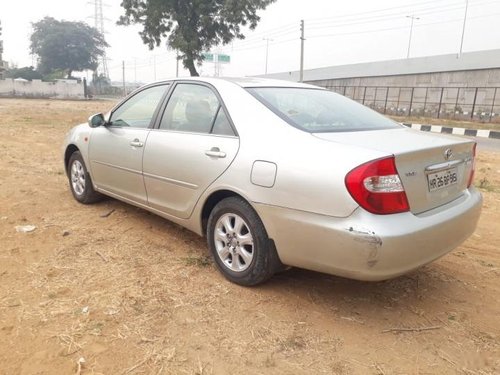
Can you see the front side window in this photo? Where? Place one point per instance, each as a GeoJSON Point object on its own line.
{"type": "Point", "coordinates": [316, 110]}
{"type": "Point", "coordinates": [138, 111]}
{"type": "Point", "coordinates": [195, 108]}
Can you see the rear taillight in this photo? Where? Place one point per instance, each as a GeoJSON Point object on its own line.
{"type": "Point", "coordinates": [473, 167]}
{"type": "Point", "coordinates": [377, 188]}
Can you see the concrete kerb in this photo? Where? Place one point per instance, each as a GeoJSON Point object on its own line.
{"type": "Point", "coordinates": [457, 131]}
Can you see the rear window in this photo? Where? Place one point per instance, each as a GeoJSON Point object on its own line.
{"type": "Point", "coordinates": [320, 111]}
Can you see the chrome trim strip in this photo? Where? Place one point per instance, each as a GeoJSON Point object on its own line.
{"type": "Point", "coordinates": [443, 166]}
{"type": "Point", "coordinates": [171, 181]}
{"type": "Point", "coordinates": [117, 167]}
{"type": "Point", "coordinates": [194, 133]}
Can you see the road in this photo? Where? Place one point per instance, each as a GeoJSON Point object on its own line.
{"type": "Point", "coordinates": [485, 144]}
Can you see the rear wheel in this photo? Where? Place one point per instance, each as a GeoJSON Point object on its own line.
{"type": "Point", "coordinates": [80, 181]}
{"type": "Point", "coordinates": [239, 243]}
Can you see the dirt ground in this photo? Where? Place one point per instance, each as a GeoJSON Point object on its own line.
{"type": "Point", "coordinates": [111, 289]}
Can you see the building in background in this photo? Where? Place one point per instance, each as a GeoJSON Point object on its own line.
{"type": "Point", "coordinates": [447, 86]}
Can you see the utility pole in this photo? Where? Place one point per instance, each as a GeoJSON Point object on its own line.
{"type": "Point", "coordinates": [463, 28]}
{"type": "Point", "coordinates": [154, 65]}
{"type": "Point", "coordinates": [123, 79]}
{"type": "Point", "coordinates": [413, 18]}
{"type": "Point", "coordinates": [267, 49]}
{"type": "Point", "coordinates": [135, 71]}
{"type": "Point", "coordinates": [301, 79]}
{"type": "Point", "coordinates": [177, 65]}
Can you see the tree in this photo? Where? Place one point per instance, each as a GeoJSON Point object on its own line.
{"type": "Point", "coordinates": [65, 45]}
{"type": "Point", "coordinates": [194, 26]}
{"type": "Point", "coordinates": [27, 72]}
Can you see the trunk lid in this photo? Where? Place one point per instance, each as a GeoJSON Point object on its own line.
{"type": "Point", "coordinates": [434, 168]}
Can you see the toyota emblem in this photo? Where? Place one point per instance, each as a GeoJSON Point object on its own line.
{"type": "Point", "coordinates": [448, 154]}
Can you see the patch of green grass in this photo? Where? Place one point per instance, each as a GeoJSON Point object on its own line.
{"type": "Point", "coordinates": [486, 185]}
{"type": "Point", "coordinates": [198, 261]}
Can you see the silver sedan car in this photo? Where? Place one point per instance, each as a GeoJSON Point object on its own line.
{"type": "Point", "coordinates": [278, 174]}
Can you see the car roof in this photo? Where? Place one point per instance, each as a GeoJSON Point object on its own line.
{"type": "Point", "coordinates": [246, 82]}
{"type": "Point", "coordinates": [265, 82]}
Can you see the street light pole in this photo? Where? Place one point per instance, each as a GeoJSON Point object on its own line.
{"type": "Point", "coordinates": [135, 71]}
{"type": "Point", "coordinates": [154, 66]}
{"type": "Point", "coordinates": [123, 79]}
{"type": "Point", "coordinates": [267, 49]}
{"type": "Point", "coordinates": [301, 77]}
{"type": "Point", "coordinates": [463, 28]}
{"type": "Point", "coordinates": [177, 65]}
{"type": "Point", "coordinates": [413, 18]}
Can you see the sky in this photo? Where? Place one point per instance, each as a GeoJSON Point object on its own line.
{"type": "Point", "coordinates": [336, 33]}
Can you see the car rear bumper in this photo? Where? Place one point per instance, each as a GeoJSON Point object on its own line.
{"type": "Point", "coordinates": [364, 246]}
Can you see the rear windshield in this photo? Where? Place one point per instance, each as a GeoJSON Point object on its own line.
{"type": "Point", "coordinates": [320, 111]}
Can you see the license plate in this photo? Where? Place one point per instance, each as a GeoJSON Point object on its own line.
{"type": "Point", "coordinates": [442, 179]}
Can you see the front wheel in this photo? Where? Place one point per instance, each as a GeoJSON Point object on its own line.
{"type": "Point", "coordinates": [80, 181]}
{"type": "Point", "coordinates": [239, 243]}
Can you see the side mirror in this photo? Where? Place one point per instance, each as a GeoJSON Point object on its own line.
{"type": "Point", "coordinates": [97, 120]}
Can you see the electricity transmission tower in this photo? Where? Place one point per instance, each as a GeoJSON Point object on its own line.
{"type": "Point", "coordinates": [99, 25]}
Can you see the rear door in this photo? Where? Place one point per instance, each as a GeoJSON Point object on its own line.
{"type": "Point", "coordinates": [116, 150]}
{"type": "Point", "coordinates": [193, 145]}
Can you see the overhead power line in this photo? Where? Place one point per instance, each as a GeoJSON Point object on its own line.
{"type": "Point", "coordinates": [352, 19]}
{"type": "Point", "coordinates": [286, 30]}
{"type": "Point", "coordinates": [394, 16]}
{"type": "Point", "coordinates": [412, 7]}
{"type": "Point", "coordinates": [400, 27]}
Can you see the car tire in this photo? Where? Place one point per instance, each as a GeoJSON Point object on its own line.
{"type": "Point", "coordinates": [80, 182]}
{"type": "Point", "coordinates": [239, 243]}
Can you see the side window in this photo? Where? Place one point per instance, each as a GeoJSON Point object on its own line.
{"type": "Point", "coordinates": [222, 125]}
{"type": "Point", "coordinates": [138, 111]}
{"type": "Point", "coordinates": [192, 108]}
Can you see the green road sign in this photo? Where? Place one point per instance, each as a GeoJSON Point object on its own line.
{"type": "Point", "coordinates": [214, 57]}
{"type": "Point", "coordinates": [209, 57]}
{"type": "Point", "coordinates": [224, 59]}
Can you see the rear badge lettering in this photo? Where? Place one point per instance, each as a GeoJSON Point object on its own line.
{"type": "Point", "coordinates": [448, 154]}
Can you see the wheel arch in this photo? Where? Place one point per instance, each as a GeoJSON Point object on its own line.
{"type": "Point", "coordinates": [70, 150]}
{"type": "Point", "coordinates": [212, 200]}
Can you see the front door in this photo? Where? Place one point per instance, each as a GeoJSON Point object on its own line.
{"type": "Point", "coordinates": [116, 150]}
{"type": "Point", "coordinates": [194, 144]}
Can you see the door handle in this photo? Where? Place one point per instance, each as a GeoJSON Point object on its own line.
{"type": "Point", "coordinates": [215, 152]}
{"type": "Point", "coordinates": [136, 143]}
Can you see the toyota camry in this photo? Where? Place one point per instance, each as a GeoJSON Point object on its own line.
{"type": "Point", "coordinates": [277, 174]}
